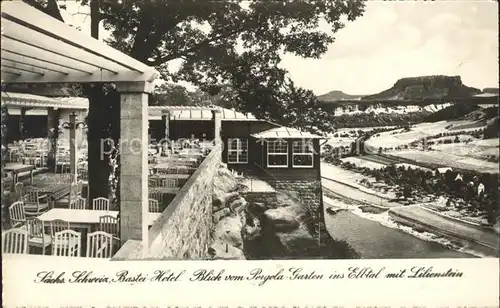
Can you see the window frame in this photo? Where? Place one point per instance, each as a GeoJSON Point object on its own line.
{"type": "Point", "coordinates": [268, 153]}
{"type": "Point", "coordinates": [238, 151]}
{"type": "Point", "coordinates": [303, 145]}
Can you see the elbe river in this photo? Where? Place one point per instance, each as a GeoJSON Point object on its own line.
{"type": "Point", "coordinates": [373, 239]}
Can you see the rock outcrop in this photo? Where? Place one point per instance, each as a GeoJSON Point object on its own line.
{"type": "Point", "coordinates": [228, 215]}
{"type": "Point", "coordinates": [424, 88]}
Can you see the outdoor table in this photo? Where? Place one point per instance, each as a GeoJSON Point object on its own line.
{"type": "Point", "coordinates": [53, 191]}
{"type": "Point", "coordinates": [181, 178]}
{"type": "Point", "coordinates": [17, 168]}
{"type": "Point", "coordinates": [56, 191]}
{"type": "Point", "coordinates": [85, 219]}
{"type": "Point", "coordinates": [172, 169]}
{"type": "Point", "coordinates": [166, 190]}
{"type": "Point", "coordinates": [177, 163]}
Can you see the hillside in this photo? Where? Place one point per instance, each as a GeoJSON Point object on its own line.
{"type": "Point", "coordinates": [333, 96]}
{"type": "Point", "coordinates": [426, 88]}
{"type": "Point", "coordinates": [491, 90]}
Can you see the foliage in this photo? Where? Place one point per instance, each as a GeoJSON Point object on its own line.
{"type": "Point", "coordinates": [416, 182]}
{"type": "Point", "coordinates": [451, 112]}
{"type": "Point", "coordinates": [492, 129]}
{"type": "Point", "coordinates": [236, 45]}
{"type": "Point", "coordinates": [170, 94]}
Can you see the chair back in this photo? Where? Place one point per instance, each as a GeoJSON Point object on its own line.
{"type": "Point", "coordinates": [58, 225]}
{"type": "Point", "coordinates": [100, 204]}
{"type": "Point", "coordinates": [78, 204]}
{"type": "Point", "coordinates": [152, 183]}
{"type": "Point", "coordinates": [109, 224]}
{"type": "Point", "coordinates": [67, 243]}
{"type": "Point", "coordinates": [170, 183]}
{"type": "Point", "coordinates": [67, 178]}
{"type": "Point", "coordinates": [17, 213]}
{"type": "Point", "coordinates": [83, 174]}
{"type": "Point", "coordinates": [156, 195]}
{"type": "Point", "coordinates": [31, 196]}
{"type": "Point", "coordinates": [154, 206]}
{"type": "Point", "coordinates": [79, 187]}
{"type": "Point", "coordinates": [37, 198]}
{"type": "Point", "coordinates": [36, 230]}
{"type": "Point", "coordinates": [99, 245]}
{"type": "Point", "coordinates": [182, 170]}
{"type": "Point", "coordinates": [19, 190]}
{"type": "Point", "coordinates": [15, 241]}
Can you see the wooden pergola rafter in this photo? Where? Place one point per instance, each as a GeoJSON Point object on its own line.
{"type": "Point", "coordinates": [36, 48]}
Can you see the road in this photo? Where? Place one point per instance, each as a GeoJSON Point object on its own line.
{"type": "Point", "coordinates": [431, 220]}
{"type": "Point", "coordinates": [450, 226]}
{"type": "Point", "coordinates": [356, 194]}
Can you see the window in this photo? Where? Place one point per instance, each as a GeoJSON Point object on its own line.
{"type": "Point", "coordinates": [237, 151]}
{"type": "Point", "coordinates": [277, 154]}
{"type": "Point", "coordinates": [302, 154]}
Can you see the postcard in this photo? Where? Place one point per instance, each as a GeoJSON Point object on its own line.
{"type": "Point", "coordinates": [250, 153]}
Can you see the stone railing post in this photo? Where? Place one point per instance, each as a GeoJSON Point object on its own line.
{"type": "Point", "coordinates": [217, 117]}
{"type": "Point", "coordinates": [134, 161]}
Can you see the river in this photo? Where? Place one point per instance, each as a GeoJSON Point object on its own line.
{"type": "Point", "coordinates": [376, 236]}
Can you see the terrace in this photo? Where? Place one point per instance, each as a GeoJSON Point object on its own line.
{"type": "Point", "coordinates": [52, 210]}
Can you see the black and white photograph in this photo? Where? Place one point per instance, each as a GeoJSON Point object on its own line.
{"type": "Point", "coordinates": [249, 130]}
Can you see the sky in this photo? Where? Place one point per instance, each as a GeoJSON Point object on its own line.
{"type": "Point", "coordinates": [396, 39]}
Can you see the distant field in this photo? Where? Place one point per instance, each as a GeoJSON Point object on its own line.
{"type": "Point", "coordinates": [467, 126]}
{"type": "Point", "coordinates": [359, 162]}
{"type": "Point", "coordinates": [378, 159]}
{"type": "Point", "coordinates": [480, 149]}
{"type": "Point", "coordinates": [449, 160]}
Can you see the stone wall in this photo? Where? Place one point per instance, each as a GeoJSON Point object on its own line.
{"type": "Point", "coordinates": [183, 231]}
{"type": "Point", "coordinates": [268, 198]}
{"type": "Point", "coordinates": [309, 192]}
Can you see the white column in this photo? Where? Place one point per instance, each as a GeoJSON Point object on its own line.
{"type": "Point", "coordinates": [217, 125]}
{"type": "Point", "coordinates": [72, 145]}
{"type": "Point", "coordinates": [165, 117]}
{"type": "Point", "coordinates": [134, 161]}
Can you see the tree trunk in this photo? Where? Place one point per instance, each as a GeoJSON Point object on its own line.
{"type": "Point", "coordinates": [98, 167]}
{"type": "Point", "coordinates": [103, 134]}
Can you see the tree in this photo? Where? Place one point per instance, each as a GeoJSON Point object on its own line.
{"type": "Point", "coordinates": [220, 43]}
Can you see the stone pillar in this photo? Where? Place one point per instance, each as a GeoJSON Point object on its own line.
{"type": "Point", "coordinates": [72, 145]}
{"type": "Point", "coordinates": [52, 135]}
{"type": "Point", "coordinates": [22, 117]}
{"type": "Point", "coordinates": [217, 125]}
{"type": "Point", "coordinates": [165, 118]}
{"type": "Point", "coordinates": [134, 161]}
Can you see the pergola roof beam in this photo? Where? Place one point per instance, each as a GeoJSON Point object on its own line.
{"type": "Point", "coordinates": [33, 39]}
{"type": "Point", "coordinates": [9, 72]}
{"type": "Point", "coordinates": [50, 47]}
{"type": "Point", "coordinates": [14, 67]}
{"type": "Point", "coordinates": [33, 65]}
{"type": "Point", "coordinates": [26, 55]}
{"type": "Point", "coordinates": [30, 15]}
{"type": "Point", "coordinates": [69, 42]}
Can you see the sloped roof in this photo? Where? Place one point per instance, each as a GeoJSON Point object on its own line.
{"type": "Point", "coordinates": [37, 101]}
{"type": "Point", "coordinates": [180, 113]}
{"type": "Point", "coordinates": [285, 133]}
{"type": "Point", "coordinates": [486, 95]}
{"type": "Point", "coordinates": [37, 48]}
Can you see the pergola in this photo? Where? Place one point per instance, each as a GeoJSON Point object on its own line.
{"type": "Point", "coordinates": [37, 48]}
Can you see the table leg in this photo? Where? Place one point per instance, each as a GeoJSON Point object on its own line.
{"type": "Point", "coordinates": [31, 177]}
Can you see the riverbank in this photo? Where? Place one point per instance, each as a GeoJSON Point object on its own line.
{"type": "Point", "coordinates": [420, 222]}
{"type": "Point", "coordinates": [471, 237]}
{"type": "Point", "coordinates": [377, 236]}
